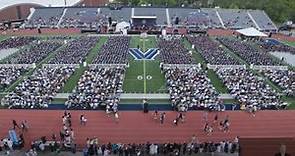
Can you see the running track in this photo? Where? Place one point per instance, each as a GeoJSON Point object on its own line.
{"type": "Point", "coordinates": [134, 126]}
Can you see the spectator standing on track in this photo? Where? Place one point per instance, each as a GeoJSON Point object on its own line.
{"type": "Point", "coordinates": [155, 115]}
{"type": "Point", "coordinates": [116, 115]}
{"type": "Point", "coordinates": [181, 117]}
{"type": "Point", "coordinates": [215, 119]}
{"type": "Point", "coordinates": [175, 121]}
{"type": "Point", "coordinates": [83, 120]}
{"type": "Point", "coordinates": [205, 116]}
{"type": "Point", "coordinates": [15, 124]}
{"type": "Point", "coordinates": [162, 117]}
{"type": "Point", "coordinates": [25, 126]}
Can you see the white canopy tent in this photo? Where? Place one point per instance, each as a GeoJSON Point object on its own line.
{"type": "Point", "coordinates": [251, 32]}
{"type": "Point", "coordinates": [122, 26]}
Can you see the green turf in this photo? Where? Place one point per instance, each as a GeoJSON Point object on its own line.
{"type": "Point", "coordinates": [139, 101]}
{"type": "Point", "coordinates": [216, 82]}
{"type": "Point", "coordinates": [131, 83]}
{"type": "Point", "coordinates": [290, 43]}
{"type": "Point", "coordinates": [290, 101]}
{"type": "Point", "coordinates": [58, 101]}
{"type": "Point", "coordinates": [157, 83]}
{"type": "Point", "coordinates": [142, 69]}
{"type": "Point", "coordinates": [230, 101]}
{"type": "Point", "coordinates": [3, 37]}
{"type": "Point", "coordinates": [73, 80]}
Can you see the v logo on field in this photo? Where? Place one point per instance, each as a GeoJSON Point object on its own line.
{"type": "Point", "coordinates": [150, 54]}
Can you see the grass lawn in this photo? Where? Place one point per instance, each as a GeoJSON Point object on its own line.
{"type": "Point", "coordinates": [3, 37]}
{"type": "Point", "coordinates": [135, 76]}
{"type": "Point", "coordinates": [73, 80]}
{"type": "Point", "coordinates": [131, 83]}
{"type": "Point", "coordinates": [139, 101]}
{"type": "Point", "coordinates": [290, 101]}
{"type": "Point", "coordinates": [158, 82]}
{"type": "Point", "coordinates": [217, 83]}
{"type": "Point", "coordinates": [290, 43]}
{"type": "Point", "coordinates": [59, 101]}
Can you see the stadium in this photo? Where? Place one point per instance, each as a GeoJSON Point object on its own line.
{"type": "Point", "coordinates": [95, 77]}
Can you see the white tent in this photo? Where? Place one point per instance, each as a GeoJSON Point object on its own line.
{"type": "Point", "coordinates": [251, 32]}
{"type": "Point", "coordinates": [120, 27]}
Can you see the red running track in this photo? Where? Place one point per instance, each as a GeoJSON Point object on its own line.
{"type": "Point", "coordinates": [135, 126]}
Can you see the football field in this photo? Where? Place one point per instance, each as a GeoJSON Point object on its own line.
{"type": "Point", "coordinates": [144, 76]}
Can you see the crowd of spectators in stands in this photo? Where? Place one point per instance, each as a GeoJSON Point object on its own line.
{"type": "Point", "coordinates": [283, 78]}
{"type": "Point", "coordinates": [38, 90]}
{"type": "Point", "coordinates": [8, 75]}
{"type": "Point", "coordinates": [85, 21]}
{"type": "Point", "coordinates": [98, 87]}
{"type": "Point", "coordinates": [74, 52]}
{"type": "Point", "coordinates": [16, 42]}
{"type": "Point", "coordinates": [249, 89]}
{"type": "Point", "coordinates": [190, 88]}
{"type": "Point", "coordinates": [212, 51]}
{"type": "Point", "coordinates": [114, 51]}
{"type": "Point", "coordinates": [43, 22]}
{"type": "Point", "coordinates": [177, 149]}
{"type": "Point", "coordinates": [34, 53]}
{"type": "Point", "coordinates": [247, 52]}
{"type": "Point", "coordinates": [172, 51]}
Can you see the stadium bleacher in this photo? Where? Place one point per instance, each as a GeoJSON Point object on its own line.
{"type": "Point", "coordinates": [204, 17]}
{"type": "Point", "coordinates": [82, 18]}
{"type": "Point", "coordinates": [45, 17]}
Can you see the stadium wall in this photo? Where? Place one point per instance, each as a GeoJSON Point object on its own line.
{"type": "Point", "coordinates": [16, 12]}
{"type": "Point", "coordinates": [93, 2]}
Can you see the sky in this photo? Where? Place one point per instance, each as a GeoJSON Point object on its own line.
{"type": "Point", "coordinates": [5, 3]}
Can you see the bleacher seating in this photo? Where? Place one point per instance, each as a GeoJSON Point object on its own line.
{"type": "Point", "coordinates": [204, 17]}
{"type": "Point", "coordinates": [82, 17]}
{"type": "Point", "coordinates": [262, 20]}
{"type": "Point", "coordinates": [235, 18]}
{"type": "Point", "coordinates": [45, 17]}
{"type": "Point", "coordinates": [160, 13]}
{"type": "Point", "coordinates": [123, 14]}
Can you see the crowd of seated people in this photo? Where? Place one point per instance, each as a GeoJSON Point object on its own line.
{"type": "Point", "coordinates": [38, 90]}
{"type": "Point", "coordinates": [8, 75]}
{"type": "Point", "coordinates": [43, 22]}
{"type": "Point", "coordinates": [176, 149]}
{"type": "Point", "coordinates": [197, 18]}
{"type": "Point", "coordinates": [91, 21]}
{"type": "Point", "coordinates": [269, 46]}
{"type": "Point", "coordinates": [283, 78]}
{"type": "Point", "coordinates": [190, 88]}
{"type": "Point", "coordinates": [34, 53]}
{"type": "Point", "coordinates": [211, 51]}
{"type": "Point", "coordinates": [247, 52]}
{"type": "Point", "coordinates": [74, 52]}
{"type": "Point", "coordinates": [249, 89]}
{"type": "Point", "coordinates": [16, 42]}
{"type": "Point", "coordinates": [172, 51]}
{"type": "Point", "coordinates": [114, 51]}
{"type": "Point", "coordinates": [98, 87]}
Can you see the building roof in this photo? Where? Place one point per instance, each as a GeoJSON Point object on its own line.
{"type": "Point", "coordinates": [251, 32]}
